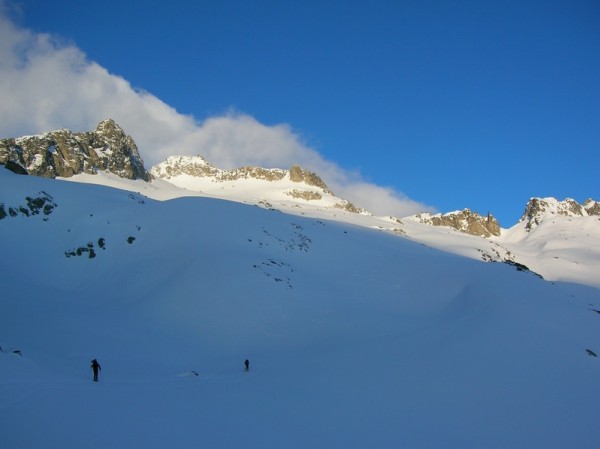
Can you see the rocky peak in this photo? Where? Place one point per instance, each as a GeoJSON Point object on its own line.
{"type": "Point", "coordinates": [109, 127]}
{"type": "Point", "coordinates": [65, 153]}
{"type": "Point", "coordinates": [465, 221]}
{"type": "Point", "coordinates": [197, 166]}
{"type": "Point", "coordinates": [297, 174]}
{"type": "Point", "coordinates": [538, 209]}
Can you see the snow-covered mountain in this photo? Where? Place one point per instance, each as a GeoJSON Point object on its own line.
{"type": "Point", "coordinates": [540, 209]}
{"type": "Point", "coordinates": [567, 248]}
{"type": "Point", "coordinates": [361, 331]}
{"type": "Point", "coordinates": [356, 336]}
{"type": "Point", "coordinates": [561, 238]}
{"type": "Point", "coordinates": [291, 188]}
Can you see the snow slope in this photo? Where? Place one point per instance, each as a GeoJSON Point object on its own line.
{"type": "Point", "coordinates": [356, 337]}
{"type": "Point", "coordinates": [564, 248]}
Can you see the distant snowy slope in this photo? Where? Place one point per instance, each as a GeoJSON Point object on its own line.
{"type": "Point", "coordinates": [356, 337]}
{"type": "Point", "coordinates": [578, 261]}
{"type": "Point", "coordinates": [561, 247]}
{"type": "Point", "coordinates": [561, 238]}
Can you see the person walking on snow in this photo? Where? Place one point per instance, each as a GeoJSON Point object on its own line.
{"type": "Point", "coordinates": [96, 368]}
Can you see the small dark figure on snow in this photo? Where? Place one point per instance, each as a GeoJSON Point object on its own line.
{"type": "Point", "coordinates": [96, 368]}
{"type": "Point", "coordinates": [247, 365]}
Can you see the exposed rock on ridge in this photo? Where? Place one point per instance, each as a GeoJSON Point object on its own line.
{"type": "Point", "coordinates": [197, 166]}
{"type": "Point", "coordinates": [538, 209]}
{"type": "Point", "coordinates": [464, 221]}
{"type": "Point", "coordinates": [65, 153]}
{"type": "Point", "coordinates": [297, 174]}
{"type": "Point", "coordinates": [183, 165]}
{"type": "Point", "coordinates": [310, 187]}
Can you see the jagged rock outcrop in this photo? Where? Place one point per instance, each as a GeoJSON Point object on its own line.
{"type": "Point", "coordinates": [538, 209]}
{"type": "Point", "coordinates": [197, 166]}
{"type": "Point", "coordinates": [591, 207]}
{"type": "Point", "coordinates": [306, 195]}
{"type": "Point", "coordinates": [249, 172]}
{"type": "Point", "coordinates": [15, 168]}
{"type": "Point", "coordinates": [43, 204]}
{"type": "Point", "coordinates": [297, 174]}
{"type": "Point", "coordinates": [296, 182]}
{"type": "Point", "coordinates": [350, 207]}
{"type": "Point", "coordinates": [174, 166]}
{"type": "Point", "coordinates": [65, 153]}
{"type": "Point", "coordinates": [464, 221]}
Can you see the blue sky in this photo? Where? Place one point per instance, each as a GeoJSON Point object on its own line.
{"type": "Point", "coordinates": [440, 105]}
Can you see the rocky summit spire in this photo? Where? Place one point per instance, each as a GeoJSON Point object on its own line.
{"type": "Point", "coordinates": [65, 153]}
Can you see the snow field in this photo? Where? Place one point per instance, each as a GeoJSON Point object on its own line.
{"type": "Point", "coordinates": [356, 338]}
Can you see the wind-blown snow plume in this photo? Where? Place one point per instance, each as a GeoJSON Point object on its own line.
{"type": "Point", "coordinates": [48, 84]}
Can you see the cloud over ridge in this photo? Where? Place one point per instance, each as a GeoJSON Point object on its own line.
{"type": "Point", "coordinates": [47, 84]}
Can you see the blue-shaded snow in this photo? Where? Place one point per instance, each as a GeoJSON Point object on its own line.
{"type": "Point", "coordinates": [356, 338]}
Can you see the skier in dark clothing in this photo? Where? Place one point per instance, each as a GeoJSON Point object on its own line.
{"type": "Point", "coordinates": [247, 365]}
{"type": "Point", "coordinates": [96, 368]}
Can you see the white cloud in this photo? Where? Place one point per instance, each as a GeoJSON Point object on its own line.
{"type": "Point", "coordinates": [46, 84]}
